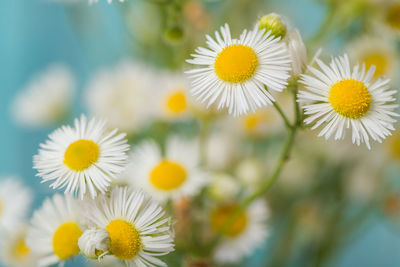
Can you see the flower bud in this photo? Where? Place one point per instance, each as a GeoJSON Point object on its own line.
{"type": "Point", "coordinates": [94, 243]}
{"type": "Point", "coordinates": [274, 23]}
{"type": "Point", "coordinates": [298, 52]}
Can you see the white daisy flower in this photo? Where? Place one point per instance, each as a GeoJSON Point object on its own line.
{"type": "Point", "coordinates": [378, 52]}
{"type": "Point", "coordinates": [94, 242]}
{"type": "Point", "coordinates": [247, 232]}
{"type": "Point", "coordinates": [46, 99]}
{"type": "Point", "coordinates": [236, 70]}
{"type": "Point", "coordinates": [172, 97]}
{"type": "Point", "coordinates": [136, 225]}
{"type": "Point", "coordinates": [121, 96]}
{"type": "Point", "coordinates": [55, 230]}
{"type": "Point", "coordinates": [82, 159]}
{"type": "Point", "coordinates": [298, 52]}
{"type": "Point", "coordinates": [174, 174]}
{"type": "Point", "coordinates": [342, 99]}
{"type": "Point", "coordinates": [13, 249]}
{"type": "Point", "coordinates": [15, 200]}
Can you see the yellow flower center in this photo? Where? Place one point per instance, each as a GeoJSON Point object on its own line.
{"type": "Point", "coordinates": [393, 16]}
{"type": "Point", "coordinates": [350, 98]}
{"type": "Point", "coordinates": [125, 239]}
{"type": "Point", "coordinates": [20, 249]}
{"type": "Point", "coordinates": [379, 61]}
{"type": "Point", "coordinates": [220, 216]}
{"type": "Point", "coordinates": [81, 154]}
{"type": "Point", "coordinates": [176, 102]}
{"type": "Point", "coordinates": [236, 63]}
{"type": "Point", "coordinates": [65, 240]}
{"type": "Point", "coordinates": [168, 175]}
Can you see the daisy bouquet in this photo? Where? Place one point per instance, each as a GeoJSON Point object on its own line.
{"type": "Point", "coordinates": [205, 158]}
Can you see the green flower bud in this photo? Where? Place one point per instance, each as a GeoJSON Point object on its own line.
{"type": "Point", "coordinates": [274, 23]}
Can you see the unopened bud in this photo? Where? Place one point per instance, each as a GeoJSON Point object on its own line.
{"type": "Point", "coordinates": [274, 23]}
{"type": "Point", "coordinates": [94, 243]}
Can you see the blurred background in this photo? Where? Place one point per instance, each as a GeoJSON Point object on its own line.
{"type": "Point", "coordinates": [335, 204]}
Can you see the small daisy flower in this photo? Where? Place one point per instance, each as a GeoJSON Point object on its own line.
{"type": "Point", "coordinates": [235, 71]}
{"type": "Point", "coordinates": [247, 232]}
{"type": "Point", "coordinates": [15, 200]}
{"type": "Point", "coordinates": [173, 102]}
{"type": "Point", "coordinates": [46, 99]}
{"type": "Point", "coordinates": [14, 251]}
{"type": "Point", "coordinates": [378, 52]}
{"type": "Point", "coordinates": [55, 230]}
{"type": "Point", "coordinates": [348, 99]}
{"type": "Point", "coordinates": [136, 226]}
{"type": "Point", "coordinates": [82, 159]}
{"type": "Point", "coordinates": [174, 174]}
{"type": "Point", "coordinates": [121, 96]}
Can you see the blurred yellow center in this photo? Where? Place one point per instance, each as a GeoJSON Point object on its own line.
{"type": "Point", "coordinates": [20, 249]}
{"type": "Point", "coordinates": [220, 216]}
{"type": "Point", "coordinates": [253, 121]}
{"type": "Point", "coordinates": [176, 102]}
{"type": "Point", "coordinates": [65, 240]}
{"type": "Point", "coordinates": [394, 145]}
{"type": "Point", "coordinates": [125, 239]}
{"type": "Point", "coordinates": [379, 61]}
{"type": "Point", "coordinates": [81, 154]}
{"type": "Point", "coordinates": [168, 175]}
{"type": "Point", "coordinates": [350, 98]}
{"type": "Point", "coordinates": [393, 16]}
{"type": "Point", "coordinates": [236, 63]}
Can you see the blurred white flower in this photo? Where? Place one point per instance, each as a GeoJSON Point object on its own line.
{"type": "Point", "coordinates": [247, 232]}
{"type": "Point", "coordinates": [15, 200]}
{"type": "Point", "coordinates": [174, 174]}
{"type": "Point", "coordinates": [220, 150]}
{"type": "Point", "coordinates": [94, 243]}
{"type": "Point", "coordinates": [46, 99]}
{"type": "Point", "coordinates": [297, 51]}
{"type": "Point", "coordinates": [121, 95]}
{"type": "Point", "coordinates": [223, 187]}
{"type": "Point", "coordinates": [249, 172]}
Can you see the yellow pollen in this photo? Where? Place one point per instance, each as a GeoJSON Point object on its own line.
{"type": "Point", "coordinates": [236, 63]}
{"type": "Point", "coordinates": [65, 240]}
{"type": "Point", "coordinates": [393, 16]}
{"type": "Point", "coordinates": [168, 175]}
{"type": "Point", "coordinates": [20, 250]}
{"type": "Point", "coordinates": [350, 98]}
{"type": "Point", "coordinates": [81, 154]}
{"type": "Point", "coordinates": [379, 60]}
{"type": "Point", "coordinates": [176, 102]}
{"type": "Point", "coordinates": [220, 216]}
{"type": "Point", "coordinates": [125, 239]}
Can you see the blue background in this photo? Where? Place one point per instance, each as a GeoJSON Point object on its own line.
{"type": "Point", "coordinates": [36, 33]}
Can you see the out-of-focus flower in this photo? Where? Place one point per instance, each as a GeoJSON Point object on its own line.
{"type": "Point", "coordinates": [14, 251]}
{"type": "Point", "coordinates": [249, 172]}
{"type": "Point", "coordinates": [196, 14]}
{"type": "Point", "coordinates": [235, 71]}
{"type": "Point", "coordinates": [84, 159]}
{"type": "Point", "coordinates": [174, 174]}
{"type": "Point", "coordinates": [136, 225]}
{"type": "Point", "coordinates": [220, 150]}
{"type": "Point", "coordinates": [274, 23]}
{"type": "Point", "coordinates": [223, 187]}
{"type": "Point", "coordinates": [94, 243]}
{"type": "Point", "coordinates": [393, 146]}
{"type": "Point", "coordinates": [173, 100]}
{"type": "Point", "coordinates": [15, 200]}
{"type": "Point", "coordinates": [55, 230]}
{"type": "Point", "coordinates": [375, 51]}
{"type": "Point", "coordinates": [247, 232]}
{"type": "Point", "coordinates": [46, 99]}
{"type": "Point", "coordinates": [392, 16]}
{"type": "Point", "coordinates": [260, 123]}
{"type": "Point", "coordinates": [298, 52]}
{"type": "Point", "coordinates": [121, 96]}
{"type": "Point", "coordinates": [348, 99]}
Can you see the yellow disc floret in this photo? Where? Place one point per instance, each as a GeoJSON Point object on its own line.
{"type": "Point", "coordinates": [236, 63]}
{"type": "Point", "coordinates": [20, 250]}
{"type": "Point", "coordinates": [350, 98]}
{"type": "Point", "coordinates": [168, 175]}
{"type": "Point", "coordinates": [125, 239]}
{"type": "Point", "coordinates": [176, 102]}
{"type": "Point", "coordinates": [65, 240]}
{"type": "Point", "coordinates": [379, 60]}
{"type": "Point", "coordinates": [220, 216]}
{"type": "Point", "coordinates": [81, 154]}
